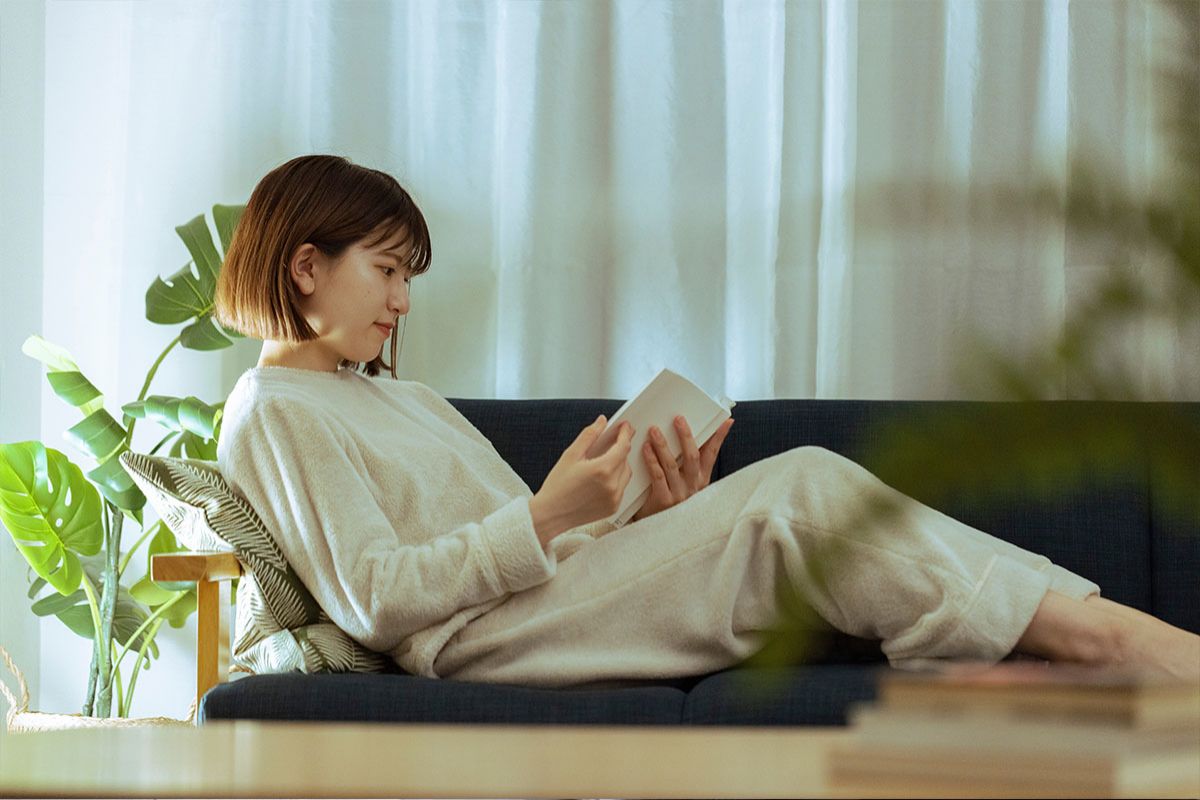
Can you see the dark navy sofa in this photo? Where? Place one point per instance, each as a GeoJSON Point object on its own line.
{"type": "Point", "coordinates": [1112, 526]}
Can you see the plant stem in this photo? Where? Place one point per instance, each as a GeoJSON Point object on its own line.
{"type": "Point", "coordinates": [116, 673]}
{"type": "Point", "coordinates": [108, 607]}
{"type": "Point", "coordinates": [149, 377]}
{"type": "Point", "coordinates": [158, 612]}
{"type": "Point", "coordinates": [132, 550]}
{"type": "Point", "coordinates": [142, 658]}
{"type": "Point", "coordinates": [94, 669]}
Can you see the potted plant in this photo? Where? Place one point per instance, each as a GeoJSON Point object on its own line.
{"type": "Point", "coordinates": [68, 524]}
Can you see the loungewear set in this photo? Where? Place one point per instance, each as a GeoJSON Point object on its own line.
{"type": "Point", "coordinates": [415, 537]}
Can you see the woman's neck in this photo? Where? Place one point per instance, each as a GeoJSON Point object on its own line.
{"type": "Point", "coordinates": [296, 356]}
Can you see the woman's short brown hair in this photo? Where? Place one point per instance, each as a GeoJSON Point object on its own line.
{"type": "Point", "coordinates": [323, 200]}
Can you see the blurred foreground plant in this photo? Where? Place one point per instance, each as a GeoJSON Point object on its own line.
{"type": "Point", "coordinates": [1152, 244]}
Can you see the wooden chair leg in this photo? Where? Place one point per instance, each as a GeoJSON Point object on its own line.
{"type": "Point", "coordinates": [212, 635]}
{"type": "Point", "coordinates": [212, 574]}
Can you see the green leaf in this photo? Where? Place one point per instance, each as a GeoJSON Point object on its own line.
{"type": "Point", "coordinates": [127, 615]}
{"type": "Point", "coordinates": [154, 594]}
{"type": "Point", "coordinates": [51, 511]}
{"type": "Point", "coordinates": [118, 488]}
{"type": "Point", "coordinates": [99, 435]}
{"type": "Point", "coordinates": [226, 219]}
{"type": "Point", "coordinates": [178, 414]}
{"type": "Point", "coordinates": [187, 295]}
{"type": "Point", "coordinates": [165, 541]}
{"type": "Point", "coordinates": [76, 390]}
{"type": "Point", "coordinates": [177, 299]}
{"type": "Point", "coordinates": [126, 619]}
{"type": "Point", "coordinates": [178, 614]}
{"type": "Point", "coordinates": [204, 334]}
{"type": "Point", "coordinates": [56, 358]}
{"type": "Point", "coordinates": [79, 620]}
{"type": "Point", "coordinates": [199, 243]}
{"type": "Point", "coordinates": [148, 592]}
{"type": "Point", "coordinates": [64, 375]}
{"type": "Point", "coordinates": [56, 603]}
{"type": "Point", "coordinates": [199, 449]}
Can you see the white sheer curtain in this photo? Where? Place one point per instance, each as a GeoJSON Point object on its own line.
{"type": "Point", "coordinates": [610, 187]}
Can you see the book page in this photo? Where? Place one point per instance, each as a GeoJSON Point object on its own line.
{"type": "Point", "coordinates": [667, 395]}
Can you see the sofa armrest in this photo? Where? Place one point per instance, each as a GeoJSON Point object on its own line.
{"type": "Point", "coordinates": [212, 573]}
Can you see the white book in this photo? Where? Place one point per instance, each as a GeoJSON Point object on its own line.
{"type": "Point", "coordinates": [667, 395]}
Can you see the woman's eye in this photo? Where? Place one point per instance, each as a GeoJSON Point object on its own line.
{"type": "Point", "coordinates": [389, 271]}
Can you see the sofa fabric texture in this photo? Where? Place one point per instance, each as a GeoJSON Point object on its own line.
{"type": "Point", "coordinates": [1110, 525]}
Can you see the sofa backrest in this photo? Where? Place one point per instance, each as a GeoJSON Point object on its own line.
{"type": "Point", "coordinates": [1109, 522]}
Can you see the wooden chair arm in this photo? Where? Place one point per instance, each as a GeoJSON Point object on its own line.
{"type": "Point", "coordinates": [212, 573]}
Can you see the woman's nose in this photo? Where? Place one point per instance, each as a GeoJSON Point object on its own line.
{"type": "Point", "coordinates": [399, 302]}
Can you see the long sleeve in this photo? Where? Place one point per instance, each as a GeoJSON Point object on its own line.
{"type": "Point", "coordinates": [380, 577]}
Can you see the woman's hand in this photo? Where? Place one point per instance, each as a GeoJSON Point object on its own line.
{"type": "Point", "coordinates": [579, 489]}
{"type": "Point", "coordinates": [671, 481]}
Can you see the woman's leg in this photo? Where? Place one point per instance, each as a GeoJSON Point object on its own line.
{"type": "Point", "coordinates": [1099, 631]}
{"type": "Point", "coordinates": [693, 589]}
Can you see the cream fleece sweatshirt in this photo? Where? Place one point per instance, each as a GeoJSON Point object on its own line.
{"type": "Point", "coordinates": [397, 514]}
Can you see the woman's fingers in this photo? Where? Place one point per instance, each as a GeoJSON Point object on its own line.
{"type": "Point", "coordinates": [708, 453]}
{"type": "Point", "coordinates": [674, 480]}
{"type": "Point", "coordinates": [690, 456]}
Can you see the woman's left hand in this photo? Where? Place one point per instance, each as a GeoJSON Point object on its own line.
{"type": "Point", "coordinates": [672, 481]}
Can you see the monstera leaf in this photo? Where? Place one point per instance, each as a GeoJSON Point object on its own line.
{"type": "Point", "coordinates": [51, 511]}
{"type": "Point", "coordinates": [187, 295]}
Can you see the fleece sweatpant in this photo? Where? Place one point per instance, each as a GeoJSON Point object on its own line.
{"type": "Point", "coordinates": [693, 589]}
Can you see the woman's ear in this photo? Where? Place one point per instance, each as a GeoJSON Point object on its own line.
{"type": "Point", "coordinates": [302, 268]}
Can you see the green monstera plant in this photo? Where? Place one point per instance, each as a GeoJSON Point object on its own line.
{"type": "Point", "coordinates": [68, 523]}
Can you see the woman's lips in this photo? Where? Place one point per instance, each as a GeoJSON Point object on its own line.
{"type": "Point", "coordinates": [383, 328]}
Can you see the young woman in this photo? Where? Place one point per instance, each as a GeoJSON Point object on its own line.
{"type": "Point", "coordinates": [420, 541]}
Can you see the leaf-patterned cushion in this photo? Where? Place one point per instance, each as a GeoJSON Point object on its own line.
{"type": "Point", "coordinates": [279, 626]}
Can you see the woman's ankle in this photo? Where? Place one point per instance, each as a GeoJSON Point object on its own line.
{"type": "Point", "coordinates": [1066, 629]}
{"type": "Point", "coordinates": [1145, 642]}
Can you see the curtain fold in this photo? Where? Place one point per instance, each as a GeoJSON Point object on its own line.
{"type": "Point", "coordinates": [614, 187]}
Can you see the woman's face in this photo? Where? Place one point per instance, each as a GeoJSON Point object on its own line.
{"type": "Point", "coordinates": [352, 303]}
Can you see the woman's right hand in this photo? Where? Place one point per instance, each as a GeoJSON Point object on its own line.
{"type": "Point", "coordinates": [579, 489]}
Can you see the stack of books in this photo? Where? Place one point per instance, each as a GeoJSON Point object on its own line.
{"type": "Point", "coordinates": [1023, 729]}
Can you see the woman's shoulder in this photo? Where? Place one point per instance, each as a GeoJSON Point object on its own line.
{"type": "Point", "coordinates": [269, 410]}
{"type": "Point", "coordinates": [263, 390]}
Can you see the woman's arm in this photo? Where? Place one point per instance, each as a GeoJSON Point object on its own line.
{"type": "Point", "coordinates": [377, 581]}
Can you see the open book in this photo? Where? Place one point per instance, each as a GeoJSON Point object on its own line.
{"type": "Point", "coordinates": [667, 395]}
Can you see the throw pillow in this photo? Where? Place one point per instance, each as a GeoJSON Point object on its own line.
{"type": "Point", "coordinates": [279, 626]}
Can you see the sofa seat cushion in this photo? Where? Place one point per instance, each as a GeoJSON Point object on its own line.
{"type": "Point", "coordinates": [354, 697]}
{"type": "Point", "coordinates": [802, 695]}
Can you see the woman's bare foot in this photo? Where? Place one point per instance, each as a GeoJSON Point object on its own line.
{"type": "Point", "coordinates": [1144, 640]}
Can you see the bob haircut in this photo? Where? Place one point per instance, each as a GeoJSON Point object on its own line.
{"type": "Point", "coordinates": [319, 199]}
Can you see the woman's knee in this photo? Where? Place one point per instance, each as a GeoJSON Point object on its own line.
{"type": "Point", "coordinates": [816, 457]}
{"type": "Point", "coordinates": [813, 467]}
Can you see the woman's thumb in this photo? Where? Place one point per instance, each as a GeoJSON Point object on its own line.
{"type": "Point", "coordinates": [590, 434]}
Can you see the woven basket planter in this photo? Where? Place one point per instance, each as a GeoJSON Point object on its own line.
{"type": "Point", "coordinates": [21, 720]}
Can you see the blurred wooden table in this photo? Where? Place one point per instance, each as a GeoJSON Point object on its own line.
{"type": "Point", "coordinates": [244, 759]}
